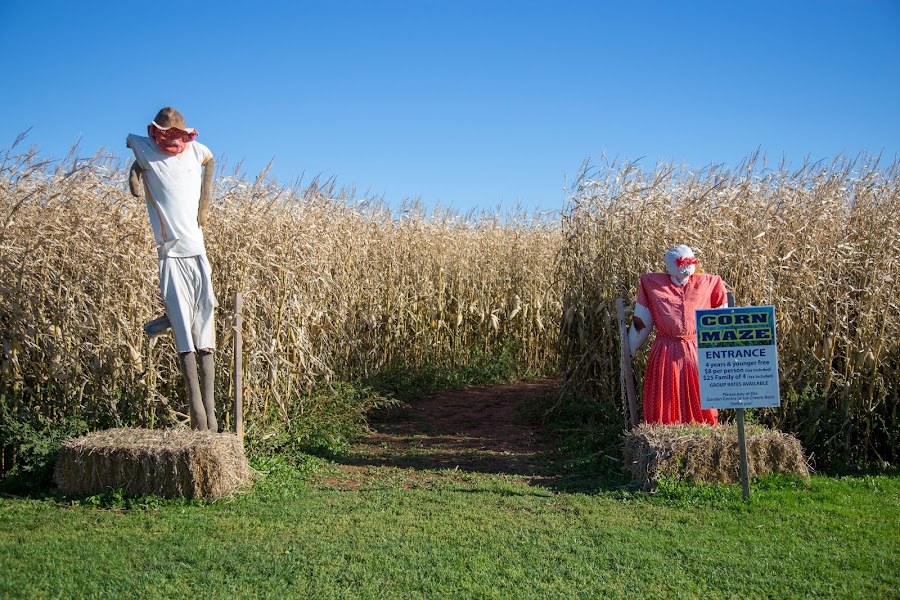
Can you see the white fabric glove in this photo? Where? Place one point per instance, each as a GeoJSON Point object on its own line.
{"type": "Point", "coordinates": [641, 326]}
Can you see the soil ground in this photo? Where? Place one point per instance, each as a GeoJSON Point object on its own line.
{"type": "Point", "coordinates": [461, 433]}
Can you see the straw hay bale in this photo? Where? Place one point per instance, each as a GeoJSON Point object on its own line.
{"type": "Point", "coordinates": [703, 453]}
{"type": "Point", "coordinates": [168, 463]}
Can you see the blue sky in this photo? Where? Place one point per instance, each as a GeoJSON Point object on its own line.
{"type": "Point", "coordinates": [461, 104]}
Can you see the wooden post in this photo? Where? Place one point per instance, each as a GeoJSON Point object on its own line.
{"type": "Point", "coordinates": [625, 354]}
{"type": "Point", "coordinates": [742, 445]}
{"type": "Point", "coordinates": [238, 369]}
{"type": "Point", "coordinates": [742, 437]}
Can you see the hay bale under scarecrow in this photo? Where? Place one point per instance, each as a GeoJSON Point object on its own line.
{"type": "Point", "coordinates": [168, 463]}
{"type": "Point", "coordinates": [708, 454]}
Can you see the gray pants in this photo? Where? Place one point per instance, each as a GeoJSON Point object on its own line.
{"type": "Point", "coordinates": [201, 391]}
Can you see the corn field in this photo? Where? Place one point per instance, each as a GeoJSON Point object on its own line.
{"type": "Point", "coordinates": [821, 243]}
{"type": "Point", "coordinates": [334, 290]}
{"type": "Point", "coordinates": [339, 289]}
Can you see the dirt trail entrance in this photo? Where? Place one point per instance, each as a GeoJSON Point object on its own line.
{"type": "Point", "coordinates": [475, 430]}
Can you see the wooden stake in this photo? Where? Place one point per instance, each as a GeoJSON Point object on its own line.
{"type": "Point", "coordinates": [742, 437]}
{"type": "Point", "coordinates": [625, 355]}
{"type": "Point", "coordinates": [238, 369]}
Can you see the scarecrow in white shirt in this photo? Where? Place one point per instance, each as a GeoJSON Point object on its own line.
{"type": "Point", "coordinates": [177, 173]}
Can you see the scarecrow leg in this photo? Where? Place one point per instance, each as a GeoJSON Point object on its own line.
{"type": "Point", "coordinates": [157, 325]}
{"type": "Point", "coordinates": [189, 370]}
{"type": "Point", "coordinates": [208, 388]}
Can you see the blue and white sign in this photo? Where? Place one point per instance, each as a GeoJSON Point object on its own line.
{"type": "Point", "coordinates": [737, 357]}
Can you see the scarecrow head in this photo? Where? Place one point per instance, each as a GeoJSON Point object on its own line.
{"type": "Point", "coordinates": [681, 263]}
{"type": "Point", "coordinates": [169, 131]}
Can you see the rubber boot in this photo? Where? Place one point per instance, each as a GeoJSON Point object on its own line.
{"type": "Point", "coordinates": [208, 388]}
{"type": "Point", "coordinates": [195, 401]}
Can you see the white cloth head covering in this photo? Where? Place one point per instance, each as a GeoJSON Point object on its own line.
{"type": "Point", "coordinates": [683, 272]}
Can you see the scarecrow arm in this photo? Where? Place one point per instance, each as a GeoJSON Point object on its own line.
{"type": "Point", "coordinates": [134, 179]}
{"type": "Point", "coordinates": [206, 190]}
{"type": "Point", "coordinates": [641, 325]}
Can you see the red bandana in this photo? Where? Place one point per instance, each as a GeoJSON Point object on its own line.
{"type": "Point", "coordinates": [171, 141]}
{"type": "Point", "coordinates": [683, 261]}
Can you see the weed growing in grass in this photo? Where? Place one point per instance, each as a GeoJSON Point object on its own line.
{"type": "Point", "coordinates": [117, 500]}
{"type": "Point", "coordinates": [681, 493]}
{"type": "Point", "coordinates": [31, 449]}
{"type": "Point", "coordinates": [322, 423]}
{"type": "Point", "coordinates": [278, 468]}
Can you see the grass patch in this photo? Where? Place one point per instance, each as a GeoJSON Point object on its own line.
{"type": "Point", "coordinates": [588, 436]}
{"type": "Point", "coordinates": [311, 527]}
{"type": "Point", "coordinates": [296, 534]}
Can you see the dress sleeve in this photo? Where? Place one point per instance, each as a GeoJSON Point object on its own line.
{"type": "Point", "coordinates": [642, 297]}
{"type": "Point", "coordinates": [719, 296]}
{"type": "Point", "coordinates": [642, 320]}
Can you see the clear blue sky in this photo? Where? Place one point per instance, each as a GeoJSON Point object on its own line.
{"type": "Point", "coordinates": [460, 103]}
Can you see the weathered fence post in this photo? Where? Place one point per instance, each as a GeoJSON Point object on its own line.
{"type": "Point", "coordinates": [625, 357]}
{"type": "Point", "coordinates": [238, 370]}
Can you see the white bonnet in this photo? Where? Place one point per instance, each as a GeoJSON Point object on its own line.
{"type": "Point", "coordinates": [680, 252]}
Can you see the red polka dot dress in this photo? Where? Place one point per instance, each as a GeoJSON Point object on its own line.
{"type": "Point", "coordinates": [671, 384]}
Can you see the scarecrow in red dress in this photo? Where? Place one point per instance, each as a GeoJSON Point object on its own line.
{"type": "Point", "coordinates": [669, 301]}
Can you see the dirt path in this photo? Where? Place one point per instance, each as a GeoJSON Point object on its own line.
{"type": "Point", "coordinates": [475, 430]}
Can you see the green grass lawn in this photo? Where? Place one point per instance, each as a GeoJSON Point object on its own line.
{"type": "Point", "coordinates": [317, 531]}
